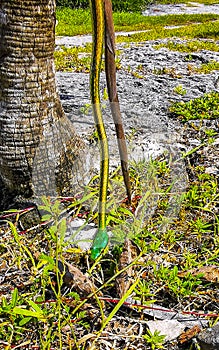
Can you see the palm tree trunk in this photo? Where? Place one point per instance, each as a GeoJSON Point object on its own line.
{"type": "Point", "coordinates": [36, 139]}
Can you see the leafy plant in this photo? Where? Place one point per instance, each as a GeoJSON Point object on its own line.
{"type": "Point", "coordinates": [189, 46]}
{"type": "Point", "coordinates": [179, 90]}
{"type": "Point", "coordinates": [70, 59]}
{"type": "Point", "coordinates": [191, 239]}
{"type": "Point", "coordinates": [205, 107]}
{"type": "Point", "coordinates": [177, 285]}
{"type": "Point", "coordinates": [155, 339]}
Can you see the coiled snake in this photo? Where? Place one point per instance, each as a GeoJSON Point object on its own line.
{"type": "Point", "coordinates": [103, 30]}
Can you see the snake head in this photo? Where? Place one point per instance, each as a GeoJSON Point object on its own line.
{"type": "Point", "coordinates": [100, 242]}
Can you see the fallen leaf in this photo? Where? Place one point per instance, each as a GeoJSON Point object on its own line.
{"type": "Point", "coordinates": [75, 279]}
{"type": "Point", "coordinates": [189, 334]}
{"type": "Point", "coordinates": [209, 273]}
{"type": "Point", "coordinates": [124, 280]}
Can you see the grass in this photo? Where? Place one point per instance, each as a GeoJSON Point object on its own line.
{"type": "Point", "coordinates": [78, 59]}
{"type": "Point", "coordinates": [49, 310]}
{"type": "Point", "coordinates": [189, 46]}
{"type": "Point", "coordinates": [158, 255]}
{"type": "Point", "coordinates": [74, 22]}
{"type": "Point", "coordinates": [206, 30]}
{"type": "Point", "coordinates": [208, 2]}
{"type": "Point", "coordinates": [78, 22]}
{"type": "Point", "coordinates": [75, 59]}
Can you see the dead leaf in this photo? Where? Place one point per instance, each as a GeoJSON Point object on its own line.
{"type": "Point", "coordinates": [209, 273]}
{"type": "Point", "coordinates": [124, 280]}
{"type": "Point", "coordinates": [78, 281]}
{"type": "Point", "coordinates": [189, 334]}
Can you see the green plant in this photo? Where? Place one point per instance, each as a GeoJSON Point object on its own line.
{"type": "Point", "coordinates": [87, 109]}
{"type": "Point", "coordinates": [71, 60]}
{"type": "Point", "coordinates": [205, 107]}
{"type": "Point", "coordinates": [208, 67]}
{"type": "Point", "coordinates": [20, 314]}
{"type": "Point", "coordinates": [155, 339]}
{"type": "Point", "coordinates": [189, 46]}
{"type": "Point", "coordinates": [210, 133]}
{"type": "Point", "coordinates": [143, 293]}
{"type": "Point", "coordinates": [77, 21]}
{"type": "Point", "coordinates": [201, 30]}
{"type": "Point", "coordinates": [122, 5]}
{"type": "Point", "coordinates": [179, 90]}
{"type": "Point", "coordinates": [73, 3]}
{"type": "Point", "coordinates": [204, 193]}
{"type": "Point", "coordinates": [171, 71]}
{"type": "Point", "coordinates": [163, 255]}
{"type": "Point", "coordinates": [176, 285]}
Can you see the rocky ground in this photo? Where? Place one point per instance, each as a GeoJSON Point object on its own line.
{"type": "Point", "coordinates": [149, 81]}
{"type": "Point", "coordinates": [148, 84]}
{"type": "Point", "coordinates": [190, 7]}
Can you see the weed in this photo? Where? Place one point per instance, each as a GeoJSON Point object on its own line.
{"type": "Point", "coordinates": [189, 46]}
{"type": "Point", "coordinates": [208, 67]}
{"type": "Point", "coordinates": [200, 30]}
{"type": "Point", "coordinates": [205, 68]}
{"type": "Point", "coordinates": [155, 339]}
{"type": "Point", "coordinates": [77, 59]}
{"type": "Point", "coordinates": [171, 71]}
{"type": "Point", "coordinates": [190, 240]}
{"type": "Point", "coordinates": [205, 107]}
{"type": "Point", "coordinates": [86, 109]}
{"type": "Point", "coordinates": [160, 274]}
{"type": "Point", "coordinates": [177, 285]}
{"type": "Point", "coordinates": [73, 22]}
{"type": "Point", "coordinates": [179, 90]}
{"type": "Point", "coordinates": [70, 59]}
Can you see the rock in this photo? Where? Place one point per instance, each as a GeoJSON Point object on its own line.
{"type": "Point", "coordinates": [170, 328]}
{"type": "Point", "coordinates": [209, 338]}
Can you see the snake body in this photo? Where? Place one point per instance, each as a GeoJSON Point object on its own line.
{"type": "Point", "coordinates": [103, 29]}
{"type": "Point", "coordinates": [97, 12]}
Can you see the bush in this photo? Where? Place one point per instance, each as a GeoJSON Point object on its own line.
{"type": "Point", "coordinates": [118, 5]}
{"type": "Point", "coordinates": [73, 3]}
{"type": "Point", "coordinates": [129, 5]}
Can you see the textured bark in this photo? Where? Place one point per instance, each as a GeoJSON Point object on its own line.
{"type": "Point", "coordinates": [36, 139]}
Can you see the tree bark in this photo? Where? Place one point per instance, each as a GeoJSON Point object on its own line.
{"type": "Point", "coordinates": [38, 145]}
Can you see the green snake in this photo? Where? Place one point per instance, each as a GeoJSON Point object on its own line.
{"type": "Point", "coordinates": [101, 12]}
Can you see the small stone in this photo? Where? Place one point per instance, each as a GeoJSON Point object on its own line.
{"type": "Point", "coordinates": [211, 170]}
{"type": "Point", "coordinates": [170, 328]}
{"type": "Point", "coordinates": [209, 338]}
